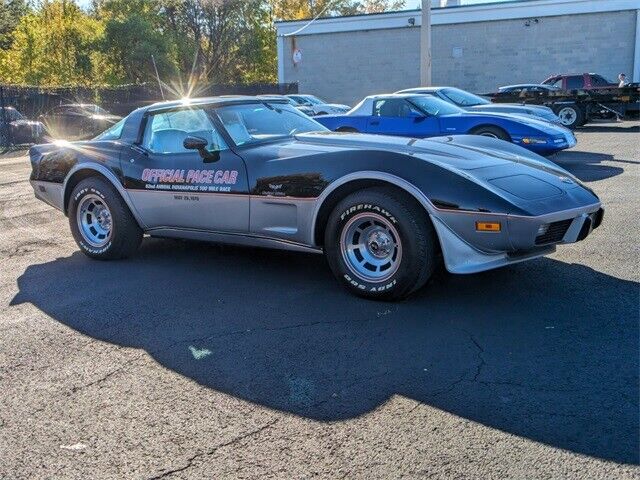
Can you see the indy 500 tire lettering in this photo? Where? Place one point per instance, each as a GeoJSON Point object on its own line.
{"type": "Point", "coordinates": [100, 221]}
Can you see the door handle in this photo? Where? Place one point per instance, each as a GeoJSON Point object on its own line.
{"type": "Point", "coordinates": [375, 122]}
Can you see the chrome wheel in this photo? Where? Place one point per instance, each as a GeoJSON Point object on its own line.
{"type": "Point", "coordinates": [371, 247]}
{"type": "Point", "coordinates": [568, 116]}
{"type": "Point", "coordinates": [94, 220]}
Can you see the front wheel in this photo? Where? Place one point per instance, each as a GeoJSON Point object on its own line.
{"type": "Point", "coordinates": [100, 221]}
{"type": "Point", "coordinates": [493, 132]}
{"type": "Point", "coordinates": [380, 244]}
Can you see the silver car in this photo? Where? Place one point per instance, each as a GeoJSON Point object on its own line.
{"type": "Point", "coordinates": [319, 106]}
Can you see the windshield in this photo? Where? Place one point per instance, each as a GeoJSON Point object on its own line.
{"type": "Point", "coordinates": [434, 106]}
{"type": "Point", "coordinates": [252, 123]}
{"type": "Point", "coordinates": [314, 100]}
{"type": "Point", "coordinates": [112, 133]}
{"type": "Point", "coordinates": [462, 98]}
{"type": "Point", "coordinates": [11, 114]}
{"type": "Point", "coordinates": [94, 109]}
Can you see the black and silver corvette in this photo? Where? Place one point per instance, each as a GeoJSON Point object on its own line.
{"type": "Point", "coordinates": [257, 172]}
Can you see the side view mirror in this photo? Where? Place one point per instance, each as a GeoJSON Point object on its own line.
{"type": "Point", "coordinates": [200, 144]}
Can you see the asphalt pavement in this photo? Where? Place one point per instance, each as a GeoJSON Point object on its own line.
{"type": "Point", "coordinates": [193, 360]}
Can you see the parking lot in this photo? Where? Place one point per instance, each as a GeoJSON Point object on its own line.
{"type": "Point", "coordinates": [204, 361]}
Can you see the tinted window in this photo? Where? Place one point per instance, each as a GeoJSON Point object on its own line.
{"type": "Point", "coordinates": [166, 132]}
{"type": "Point", "coordinates": [395, 107]}
{"type": "Point", "coordinates": [313, 100]}
{"type": "Point", "coordinates": [253, 123]}
{"type": "Point", "coordinates": [574, 82]}
{"type": "Point", "coordinates": [10, 114]}
{"type": "Point", "coordinates": [512, 89]}
{"type": "Point", "coordinates": [462, 98]}
{"type": "Point", "coordinates": [598, 81]}
{"type": "Point", "coordinates": [113, 133]}
{"type": "Point", "coordinates": [434, 106]}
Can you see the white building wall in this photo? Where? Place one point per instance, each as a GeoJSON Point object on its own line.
{"type": "Point", "coordinates": [344, 66]}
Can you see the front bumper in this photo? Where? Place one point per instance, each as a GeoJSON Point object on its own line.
{"type": "Point", "coordinates": [547, 145]}
{"type": "Point", "coordinates": [466, 250]}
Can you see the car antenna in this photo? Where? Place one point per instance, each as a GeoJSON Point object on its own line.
{"type": "Point", "coordinates": [155, 67]}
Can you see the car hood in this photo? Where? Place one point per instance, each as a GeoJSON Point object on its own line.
{"type": "Point", "coordinates": [458, 152]}
{"type": "Point", "coordinates": [337, 105]}
{"type": "Point", "coordinates": [500, 167]}
{"type": "Point", "coordinates": [510, 108]}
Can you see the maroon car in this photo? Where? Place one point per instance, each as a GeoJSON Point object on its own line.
{"type": "Point", "coordinates": [585, 81]}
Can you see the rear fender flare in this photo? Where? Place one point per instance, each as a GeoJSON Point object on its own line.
{"type": "Point", "coordinates": [110, 176]}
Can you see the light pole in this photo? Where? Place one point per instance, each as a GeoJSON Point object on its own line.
{"type": "Point", "coordinates": [425, 44]}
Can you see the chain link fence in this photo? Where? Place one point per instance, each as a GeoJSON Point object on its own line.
{"type": "Point", "coordinates": [23, 109]}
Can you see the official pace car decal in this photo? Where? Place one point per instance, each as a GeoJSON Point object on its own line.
{"type": "Point", "coordinates": [189, 180]}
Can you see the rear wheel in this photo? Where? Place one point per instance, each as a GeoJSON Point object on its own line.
{"type": "Point", "coordinates": [100, 221]}
{"type": "Point", "coordinates": [571, 116]}
{"type": "Point", "coordinates": [380, 244]}
{"type": "Point", "coordinates": [493, 132]}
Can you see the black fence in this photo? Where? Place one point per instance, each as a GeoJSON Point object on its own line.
{"type": "Point", "coordinates": [32, 103]}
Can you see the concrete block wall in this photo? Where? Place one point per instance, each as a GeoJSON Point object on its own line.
{"type": "Point", "coordinates": [344, 67]}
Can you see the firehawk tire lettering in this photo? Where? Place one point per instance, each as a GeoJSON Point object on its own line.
{"type": "Point", "coordinates": [417, 241]}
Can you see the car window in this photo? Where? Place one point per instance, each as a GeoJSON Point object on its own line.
{"type": "Point", "coordinates": [556, 83]}
{"type": "Point", "coordinates": [462, 98]}
{"type": "Point", "coordinates": [316, 100]}
{"type": "Point", "coordinates": [300, 100]}
{"type": "Point", "coordinates": [434, 106]}
{"type": "Point", "coordinates": [112, 133]}
{"type": "Point", "coordinates": [11, 114]}
{"type": "Point", "coordinates": [256, 122]}
{"type": "Point", "coordinates": [575, 81]}
{"type": "Point", "coordinates": [599, 81]}
{"type": "Point", "coordinates": [166, 132]}
{"type": "Point", "coordinates": [395, 107]}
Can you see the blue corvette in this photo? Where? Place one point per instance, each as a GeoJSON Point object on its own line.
{"type": "Point", "coordinates": [421, 116]}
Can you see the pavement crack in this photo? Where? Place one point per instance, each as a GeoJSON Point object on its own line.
{"type": "Point", "coordinates": [211, 451]}
{"type": "Point", "coordinates": [481, 361]}
{"type": "Point", "coordinates": [107, 375]}
{"type": "Point", "coordinates": [247, 331]}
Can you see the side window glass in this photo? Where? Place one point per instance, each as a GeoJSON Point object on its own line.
{"type": "Point", "coordinates": [393, 107]}
{"type": "Point", "coordinates": [598, 81]}
{"type": "Point", "coordinates": [166, 132]}
{"type": "Point", "coordinates": [574, 82]}
{"type": "Point", "coordinates": [557, 83]}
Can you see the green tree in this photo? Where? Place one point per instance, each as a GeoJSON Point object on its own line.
{"type": "Point", "coordinates": [53, 45]}
{"type": "Point", "coordinates": [300, 9]}
{"type": "Point", "coordinates": [132, 38]}
{"type": "Point", "coordinates": [11, 11]}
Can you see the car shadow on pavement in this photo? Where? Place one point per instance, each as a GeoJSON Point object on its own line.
{"type": "Point", "coordinates": [588, 166]}
{"type": "Point", "coordinates": [545, 350]}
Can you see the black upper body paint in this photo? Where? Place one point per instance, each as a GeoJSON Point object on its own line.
{"type": "Point", "coordinates": [460, 173]}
